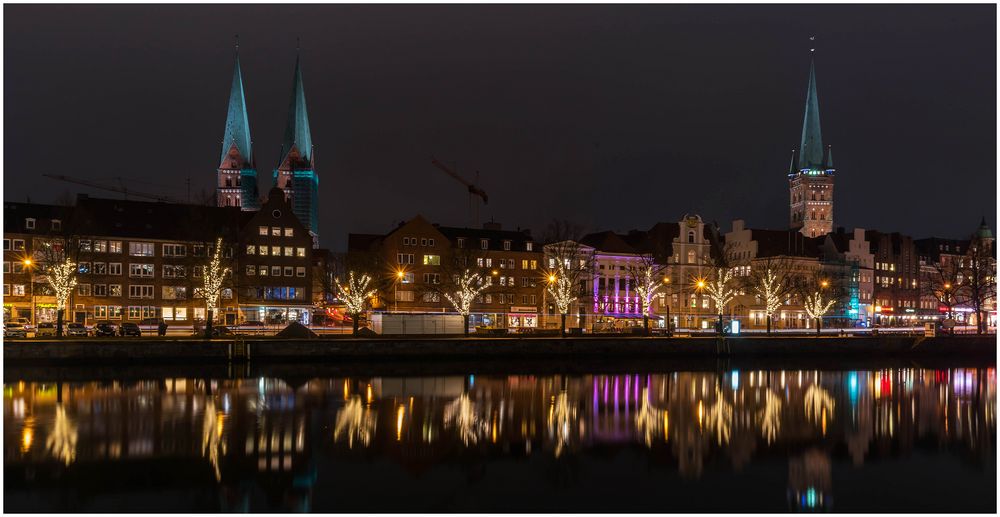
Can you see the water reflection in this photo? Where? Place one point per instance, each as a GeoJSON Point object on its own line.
{"type": "Point", "coordinates": [264, 444]}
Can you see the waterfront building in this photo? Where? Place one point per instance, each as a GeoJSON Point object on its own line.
{"type": "Point", "coordinates": [236, 176]}
{"type": "Point", "coordinates": [850, 264]}
{"type": "Point", "coordinates": [413, 264]}
{"type": "Point", "coordinates": [276, 272]}
{"type": "Point", "coordinates": [811, 175]}
{"type": "Point", "coordinates": [26, 227]}
{"type": "Point", "coordinates": [295, 173]}
{"type": "Point", "coordinates": [896, 290]}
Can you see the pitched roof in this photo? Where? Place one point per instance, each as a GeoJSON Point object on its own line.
{"type": "Point", "coordinates": [791, 243]}
{"type": "Point", "coordinates": [495, 238]}
{"type": "Point", "coordinates": [237, 122]}
{"type": "Point", "coordinates": [363, 241]}
{"type": "Point", "coordinates": [609, 242]}
{"type": "Point", "coordinates": [297, 132]}
{"type": "Point", "coordinates": [154, 220]}
{"type": "Point", "coordinates": [811, 146]}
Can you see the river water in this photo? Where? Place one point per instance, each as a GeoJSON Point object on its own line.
{"type": "Point", "coordinates": [899, 439]}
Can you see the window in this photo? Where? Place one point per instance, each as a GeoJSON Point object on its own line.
{"type": "Point", "coordinates": [289, 251]}
{"type": "Point", "coordinates": [115, 268]}
{"type": "Point", "coordinates": [83, 268]}
{"type": "Point", "coordinates": [115, 312]}
{"type": "Point", "coordinates": [262, 270]}
{"type": "Point", "coordinates": [6, 244]}
{"type": "Point", "coordinates": [528, 246]}
{"type": "Point", "coordinates": [690, 237]}
{"type": "Point", "coordinates": [404, 296]}
{"type": "Point", "coordinates": [300, 252]}
{"type": "Point", "coordinates": [114, 247]}
{"type": "Point", "coordinates": [289, 270]}
{"type": "Point", "coordinates": [169, 292]}
{"type": "Point", "coordinates": [276, 231]}
{"type": "Point", "coordinates": [174, 250]}
{"type": "Point", "coordinates": [487, 298]}
{"type": "Point", "coordinates": [18, 290]}
{"type": "Point", "coordinates": [404, 258]}
{"type": "Point", "coordinates": [180, 313]}
{"type": "Point", "coordinates": [196, 271]}
{"type": "Point", "coordinates": [115, 290]}
{"type": "Point", "coordinates": [460, 244]}
{"type": "Point", "coordinates": [134, 312]}
{"type": "Point", "coordinates": [262, 230]}
{"type": "Point", "coordinates": [140, 291]}
{"type": "Point", "coordinates": [100, 268]}
{"type": "Point", "coordinates": [489, 262]}
{"type": "Point", "coordinates": [18, 267]}
{"type": "Point", "coordinates": [100, 311]}
{"type": "Point", "coordinates": [300, 271]}
{"type": "Point", "coordinates": [227, 293]}
{"type": "Point", "coordinates": [29, 223]}
{"type": "Point", "coordinates": [250, 270]}
{"type": "Point", "coordinates": [100, 290]}
{"type": "Point", "coordinates": [432, 278]}
{"type": "Point", "coordinates": [140, 270]}
{"type": "Point", "coordinates": [140, 249]}
{"type": "Point", "coordinates": [275, 270]}
{"type": "Point", "coordinates": [430, 242]}
{"type": "Point", "coordinates": [199, 313]}
{"type": "Point", "coordinates": [506, 245]}
{"type": "Point", "coordinates": [432, 260]}
{"type": "Point", "coordinates": [84, 245]}
{"type": "Point", "coordinates": [6, 267]}
{"type": "Point", "coordinates": [484, 244]}
{"type": "Point", "coordinates": [431, 297]}
{"type": "Point", "coordinates": [276, 251]}
{"type": "Point", "coordinates": [83, 289]}
{"type": "Point", "coordinates": [407, 278]}
{"type": "Point", "coordinates": [198, 250]}
{"type": "Point", "coordinates": [289, 232]}
{"type": "Point", "coordinates": [18, 244]}
{"type": "Point", "coordinates": [423, 242]}
{"type": "Point", "coordinates": [251, 249]}
{"type": "Point", "coordinates": [173, 271]}
{"type": "Point", "coordinates": [263, 250]}
{"type": "Point", "coordinates": [691, 256]}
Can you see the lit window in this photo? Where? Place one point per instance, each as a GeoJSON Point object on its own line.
{"type": "Point", "coordinates": [432, 260]}
{"type": "Point", "coordinates": [251, 249]}
{"type": "Point", "coordinates": [300, 252]}
{"type": "Point", "coordinates": [276, 231]}
{"type": "Point", "coordinates": [29, 223]}
{"type": "Point", "coordinates": [289, 232]}
{"type": "Point", "coordinates": [262, 230]}
{"type": "Point", "coordinates": [289, 251]}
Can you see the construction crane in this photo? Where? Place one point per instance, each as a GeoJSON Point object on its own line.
{"type": "Point", "coordinates": [112, 188]}
{"type": "Point", "coordinates": [473, 189]}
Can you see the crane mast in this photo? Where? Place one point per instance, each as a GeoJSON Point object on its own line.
{"type": "Point", "coordinates": [472, 188]}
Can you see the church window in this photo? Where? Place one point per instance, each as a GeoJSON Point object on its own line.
{"type": "Point", "coordinates": [690, 237]}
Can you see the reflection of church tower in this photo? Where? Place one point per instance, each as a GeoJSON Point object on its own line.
{"type": "Point", "coordinates": [810, 182]}
{"type": "Point", "coordinates": [237, 173]}
{"type": "Point", "coordinates": [295, 174]}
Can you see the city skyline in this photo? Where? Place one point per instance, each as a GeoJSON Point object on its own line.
{"type": "Point", "coordinates": [551, 121]}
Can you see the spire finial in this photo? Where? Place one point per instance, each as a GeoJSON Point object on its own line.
{"type": "Point", "coordinates": [812, 39]}
{"type": "Point", "coordinates": [237, 43]}
{"type": "Point", "coordinates": [298, 43]}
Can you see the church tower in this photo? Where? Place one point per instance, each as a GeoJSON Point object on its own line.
{"type": "Point", "coordinates": [295, 174]}
{"type": "Point", "coordinates": [810, 179]}
{"type": "Point", "coordinates": [236, 183]}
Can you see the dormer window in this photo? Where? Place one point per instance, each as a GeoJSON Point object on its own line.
{"type": "Point", "coordinates": [528, 246]}
{"type": "Point", "coordinates": [461, 242]}
{"type": "Point", "coordinates": [56, 225]}
{"type": "Point", "coordinates": [506, 245]}
{"type": "Point", "coordinates": [484, 244]}
{"type": "Point", "coordinates": [29, 223]}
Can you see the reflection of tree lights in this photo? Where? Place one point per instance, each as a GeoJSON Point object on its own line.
{"type": "Point", "coordinates": [817, 400]}
{"type": "Point", "coordinates": [770, 416]}
{"type": "Point", "coordinates": [353, 420]}
{"type": "Point", "coordinates": [61, 442]}
{"type": "Point", "coordinates": [648, 419]}
{"type": "Point", "coordinates": [27, 435]}
{"type": "Point", "coordinates": [461, 414]}
{"type": "Point", "coordinates": [720, 418]}
{"type": "Point", "coordinates": [211, 433]}
{"type": "Point", "coordinates": [399, 422]}
{"type": "Point", "coordinates": [560, 414]}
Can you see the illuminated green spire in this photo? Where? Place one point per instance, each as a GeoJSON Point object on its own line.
{"type": "Point", "coordinates": [237, 121]}
{"type": "Point", "coordinates": [297, 133]}
{"type": "Point", "coordinates": [811, 149]}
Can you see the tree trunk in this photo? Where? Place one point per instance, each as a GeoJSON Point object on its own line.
{"type": "Point", "coordinates": [720, 324]}
{"type": "Point", "coordinates": [465, 327]}
{"type": "Point", "coordinates": [59, 322]}
{"type": "Point", "coordinates": [208, 324]}
{"type": "Point", "coordinates": [354, 321]}
{"type": "Point", "coordinates": [769, 324]}
{"type": "Point", "coordinates": [645, 324]}
{"type": "Point", "coordinates": [562, 325]}
{"type": "Point", "coordinates": [819, 325]}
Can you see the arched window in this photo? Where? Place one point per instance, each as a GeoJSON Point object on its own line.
{"type": "Point", "coordinates": [691, 237]}
{"type": "Point", "coordinates": [691, 256]}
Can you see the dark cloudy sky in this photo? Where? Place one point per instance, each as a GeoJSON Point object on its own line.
{"type": "Point", "coordinates": [614, 117]}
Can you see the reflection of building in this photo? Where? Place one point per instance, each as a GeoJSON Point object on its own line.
{"type": "Point", "coordinates": [810, 481]}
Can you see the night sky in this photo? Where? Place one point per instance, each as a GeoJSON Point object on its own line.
{"type": "Point", "coordinates": [614, 117]}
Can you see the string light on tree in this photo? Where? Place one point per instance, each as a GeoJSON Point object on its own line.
{"type": "Point", "coordinates": [467, 287]}
{"type": "Point", "coordinates": [214, 275]}
{"type": "Point", "coordinates": [720, 290]}
{"type": "Point", "coordinates": [816, 307]}
{"type": "Point", "coordinates": [771, 290]}
{"type": "Point", "coordinates": [560, 287]}
{"type": "Point", "coordinates": [62, 278]}
{"type": "Point", "coordinates": [355, 295]}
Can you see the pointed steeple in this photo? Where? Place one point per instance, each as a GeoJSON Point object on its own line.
{"type": "Point", "coordinates": [237, 121]}
{"type": "Point", "coordinates": [298, 137]}
{"type": "Point", "coordinates": [811, 148]}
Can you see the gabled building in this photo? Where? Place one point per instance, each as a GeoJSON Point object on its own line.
{"type": "Point", "coordinates": [848, 259]}
{"type": "Point", "coordinates": [896, 278]}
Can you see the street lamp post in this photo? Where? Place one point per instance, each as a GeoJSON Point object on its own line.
{"type": "Point", "coordinates": [819, 319]}
{"type": "Point", "coordinates": [31, 288]}
{"type": "Point", "coordinates": [666, 280]}
{"type": "Point", "coordinates": [395, 291]}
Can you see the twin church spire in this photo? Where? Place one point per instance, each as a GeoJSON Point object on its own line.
{"type": "Point", "coordinates": [294, 174]}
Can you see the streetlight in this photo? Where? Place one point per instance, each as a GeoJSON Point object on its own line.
{"type": "Point", "coordinates": [31, 287]}
{"type": "Point", "coordinates": [666, 280]}
{"type": "Point", "coordinates": [395, 290]}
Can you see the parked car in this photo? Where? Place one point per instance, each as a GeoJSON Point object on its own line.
{"type": "Point", "coordinates": [45, 329]}
{"type": "Point", "coordinates": [151, 325]}
{"type": "Point", "coordinates": [76, 329]}
{"type": "Point", "coordinates": [105, 328]}
{"type": "Point", "coordinates": [252, 323]}
{"type": "Point", "coordinates": [26, 323]}
{"type": "Point", "coordinates": [221, 331]}
{"type": "Point", "coordinates": [14, 330]}
{"type": "Point", "coordinates": [129, 329]}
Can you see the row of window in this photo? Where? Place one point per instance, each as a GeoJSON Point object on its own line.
{"type": "Point", "coordinates": [261, 270]}
{"type": "Point", "coordinates": [432, 297]}
{"type": "Point", "coordinates": [275, 231]}
{"type": "Point", "coordinates": [412, 241]}
{"type": "Point", "coordinates": [275, 251]}
{"type": "Point", "coordinates": [484, 244]}
{"type": "Point", "coordinates": [30, 224]}
{"type": "Point", "coordinates": [135, 312]}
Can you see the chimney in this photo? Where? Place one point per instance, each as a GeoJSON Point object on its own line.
{"type": "Point", "coordinates": [492, 225]}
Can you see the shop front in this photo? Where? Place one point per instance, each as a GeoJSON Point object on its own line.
{"type": "Point", "coordinates": [272, 315]}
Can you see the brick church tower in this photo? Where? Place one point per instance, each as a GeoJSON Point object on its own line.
{"type": "Point", "coordinates": [237, 172]}
{"type": "Point", "coordinates": [810, 178]}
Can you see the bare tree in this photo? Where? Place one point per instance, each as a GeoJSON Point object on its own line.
{"type": "Point", "coordinates": [979, 279]}
{"type": "Point", "coordinates": [568, 266]}
{"type": "Point", "coordinates": [770, 280]}
{"type": "Point", "coordinates": [721, 288]}
{"type": "Point", "coordinates": [943, 282]}
{"type": "Point", "coordinates": [646, 277]}
{"type": "Point", "coordinates": [356, 294]}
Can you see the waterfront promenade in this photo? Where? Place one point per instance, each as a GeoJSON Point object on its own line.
{"type": "Point", "coordinates": [332, 349]}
